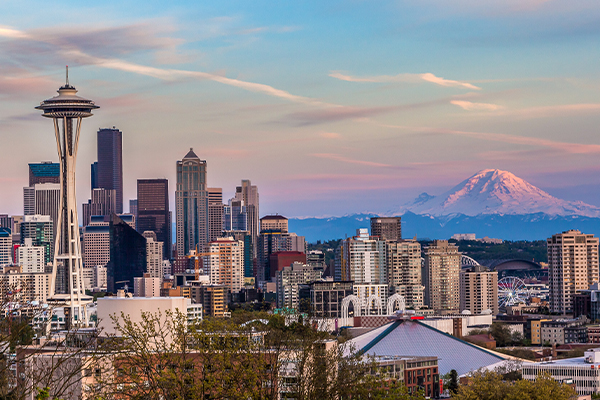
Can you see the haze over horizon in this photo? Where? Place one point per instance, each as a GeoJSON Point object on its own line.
{"type": "Point", "coordinates": [329, 108]}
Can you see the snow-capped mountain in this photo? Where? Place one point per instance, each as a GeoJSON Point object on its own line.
{"type": "Point", "coordinates": [492, 191]}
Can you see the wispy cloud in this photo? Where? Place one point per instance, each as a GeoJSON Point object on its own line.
{"type": "Point", "coordinates": [556, 110]}
{"type": "Point", "coordinates": [470, 106]}
{"type": "Point", "coordinates": [330, 135]}
{"type": "Point", "coordinates": [71, 51]}
{"type": "Point", "coordinates": [340, 158]}
{"type": "Point", "coordinates": [407, 78]}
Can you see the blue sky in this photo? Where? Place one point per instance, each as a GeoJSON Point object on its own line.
{"type": "Point", "coordinates": [329, 107]}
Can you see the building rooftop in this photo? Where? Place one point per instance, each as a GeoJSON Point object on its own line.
{"type": "Point", "coordinates": [191, 154]}
{"type": "Point", "coordinates": [277, 216]}
{"type": "Point", "coordinates": [403, 337]}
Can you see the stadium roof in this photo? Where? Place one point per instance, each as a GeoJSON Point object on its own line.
{"type": "Point", "coordinates": [410, 337]}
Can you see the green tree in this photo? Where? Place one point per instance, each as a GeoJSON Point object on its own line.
{"type": "Point", "coordinates": [453, 381]}
{"type": "Point", "coordinates": [501, 333]}
{"type": "Point", "coordinates": [492, 386]}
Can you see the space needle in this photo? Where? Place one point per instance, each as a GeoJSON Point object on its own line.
{"type": "Point", "coordinates": [66, 284]}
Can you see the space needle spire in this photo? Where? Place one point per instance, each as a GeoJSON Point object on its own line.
{"type": "Point", "coordinates": [66, 284]}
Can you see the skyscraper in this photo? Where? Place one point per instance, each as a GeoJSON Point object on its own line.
{"type": "Point", "coordinates": [153, 211]}
{"type": "Point", "coordinates": [191, 204]}
{"type": "Point", "coordinates": [94, 175]}
{"type": "Point", "coordinates": [387, 228]}
{"type": "Point", "coordinates": [96, 243]}
{"type": "Point", "coordinates": [127, 255]}
{"type": "Point", "coordinates": [110, 163]}
{"type": "Point", "coordinates": [572, 267]}
{"type": "Point", "coordinates": [133, 208]}
{"type": "Point", "coordinates": [103, 202]}
{"type": "Point", "coordinates": [215, 213]}
{"type": "Point", "coordinates": [44, 172]}
{"type": "Point", "coordinates": [248, 194]}
{"type": "Point", "coordinates": [235, 216]}
{"type": "Point", "coordinates": [441, 276]}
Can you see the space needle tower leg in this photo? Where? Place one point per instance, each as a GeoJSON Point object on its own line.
{"type": "Point", "coordinates": [67, 110]}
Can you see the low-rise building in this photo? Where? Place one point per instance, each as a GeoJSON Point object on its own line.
{"type": "Point", "coordinates": [583, 372]}
{"type": "Point", "coordinates": [417, 373]}
{"type": "Point", "coordinates": [289, 279]}
{"type": "Point", "coordinates": [564, 331]}
{"type": "Point", "coordinates": [326, 297]}
{"type": "Point", "coordinates": [134, 307]}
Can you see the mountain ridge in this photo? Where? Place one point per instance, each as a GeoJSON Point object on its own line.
{"type": "Point", "coordinates": [494, 191]}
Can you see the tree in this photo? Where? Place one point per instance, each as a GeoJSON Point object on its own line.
{"type": "Point", "coordinates": [501, 333]}
{"type": "Point", "coordinates": [28, 369]}
{"type": "Point", "coordinates": [492, 386]}
{"type": "Point", "coordinates": [453, 381]}
{"type": "Point", "coordinates": [165, 357]}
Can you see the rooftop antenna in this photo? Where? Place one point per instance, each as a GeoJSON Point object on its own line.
{"type": "Point", "coordinates": [67, 75]}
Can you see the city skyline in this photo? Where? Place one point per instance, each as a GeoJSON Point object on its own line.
{"type": "Point", "coordinates": [328, 108]}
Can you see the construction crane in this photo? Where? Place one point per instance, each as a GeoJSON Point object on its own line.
{"type": "Point", "coordinates": [196, 255]}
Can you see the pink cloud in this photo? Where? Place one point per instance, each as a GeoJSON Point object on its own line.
{"type": "Point", "coordinates": [340, 158]}
{"type": "Point", "coordinates": [407, 78]}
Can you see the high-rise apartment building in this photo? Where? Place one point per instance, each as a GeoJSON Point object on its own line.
{"type": "Point", "coordinates": [39, 228]}
{"type": "Point", "coordinates": [153, 211]}
{"type": "Point", "coordinates": [224, 263]}
{"type": "Point", "coordinates": [215, 213]}
{"type": "Point", "coordinates": [441, 276]}
{"type": "Point", "coordinates": [572, 267]}
{"type": "Point", "coordinates": [248, 194]}
{"type": "Point", "coordinates": [44, 172]}
{"type": "Point", "coordinates": [191, 203]}
{"type": "Point", "coordinates": [387, 228]}
{"type": "Point", "coordinates": [154, 255]}
{"type": "Point", "coordinates": [479, 290]}
{"type": "Point", "coordinates": [362, 259]}
{"type": "Point", "coordinates": [5, 246]}
{"type": "Point", "coordinates": [103, 202]}
{"type": "Point", "coordinates": [110, 163]}
{"type": "Point", "coordinates": [404, 271]}
{"type": "Point", "coordinates": [31, 258]}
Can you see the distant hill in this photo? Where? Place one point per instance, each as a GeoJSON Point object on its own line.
{"type": "Point", "coordinates": [537, 226]}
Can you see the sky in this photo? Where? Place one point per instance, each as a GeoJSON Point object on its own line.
{"type": "Point", "coordinates": [329, 107]}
